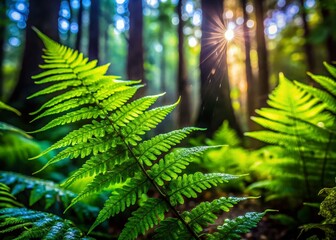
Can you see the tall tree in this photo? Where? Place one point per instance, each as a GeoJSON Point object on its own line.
{"type": "Point", "coordinates": [135, 58]}
{"type": "Point", "coordinates": [216, 105]}
{"type": "Point", "coordinates": [79, 22]}
{"type": "Point", "coordinates": [44, 16]}
{"type": "Point", "coordinates": [307, 45]}
{"type": "Point", "coordinates": [184, 117]}
{"type": "Point", "coordinates": [248, 68]}
{"type": "Point", "coordinates": [328, 11]}
{"type": "Point", "coordinates": [94, 30]}
{"type": "Point", "coordinates": [263, 84]}
{"type": "Point", "coordinates": [2, 38]}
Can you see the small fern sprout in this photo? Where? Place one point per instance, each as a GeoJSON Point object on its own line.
{"type": "Point", "coordinates": [112, 145]}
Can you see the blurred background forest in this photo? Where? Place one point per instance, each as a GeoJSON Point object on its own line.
{"type": "Point", "coordinates": [221, 57]}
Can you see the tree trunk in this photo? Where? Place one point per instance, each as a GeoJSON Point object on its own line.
{"type": "Point", "coordinates": [44, 16]}
{"type": "Point", "coordinates": [2, 38]}
{"type": "Point", "coordinates": [263, 84]}
{"type": "Point", "coordinates": [163, 87]}
{"type": "Point", "coordinates": [184, 116]}
{"type": "Point", "coordinates": [328, 16]}
{"type": "Point", "coordinates": [79, 21]}
{"type": "Point", "coordinates": [94, 31]}
{"type": "Point", "coordinates": [248, 69]}
{"type": "Point", "coordinates": [216, 103]}
{"type": "Point", "coordinates": [135, 58]}
{"type": "Point", "coordinates": [306, 33]}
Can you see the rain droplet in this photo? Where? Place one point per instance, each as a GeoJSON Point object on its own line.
{"type": "Point", "coordinates": [220, 85]}
{"type": "Point", "coordinates": [213, 71]}
{"type": "Point", "coordinates": [216, 99]}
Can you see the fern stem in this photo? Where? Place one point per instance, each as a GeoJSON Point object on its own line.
{"type": "Point", "coordinates": [162, 194]}
{"type": "Point", "coordinates": [151, 180]}
{"type": "Point", "coordinates": [299, 145]}
{"type": "Point", "coordinates": [325, 159]}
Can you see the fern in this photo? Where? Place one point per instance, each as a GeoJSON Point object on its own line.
{"type": "Point", "coordinates": [35, 224]}
{"type": "Point", "coordinates": [301, 121]}
{"type": "Point", "coordinates": [328, 212]}
{"type": "Point", "coordinates": [232, 229]}
{"type": "Point", "coordinates": [39, 189]}
{"type": "Point", "coordinates": [47, 193]}
{"type": "Point", "coordinates": [110, 142]}
{"type": "Point", "coordinates": [7, 200]}
{"type": "Point", "coordinates": [9, 108]}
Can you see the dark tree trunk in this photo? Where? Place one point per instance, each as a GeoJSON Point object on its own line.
{"type": "Point", "coordinates": [184, 116]}
{"type": "Point", "coordinates": [79, 21]}
{"type": "Point", "coordinates": [2, 38]}
{"type": "Point", "coordinates": [248, 69]}
{"type": "Point", "coordinates": [216, 103]}
{"type": "Point", "coordinates": [163, 65]}
{"type": "Point", "coordinates": [263, 83]}
{"type": "Point", "coordinates": [328, 15]}
{"type": "Point", "coordinates": [44, 16]}
{"type": "Point", "coordinates": [94, 31]}
{"type": "Point", "coordinates": [135, 58]}
{"type": "Point", "coordinates": [306, 33]}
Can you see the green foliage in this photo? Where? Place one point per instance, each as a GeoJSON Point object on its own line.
{"type": "Point", "coordinates": [328, 212]}
{"type": "Point", "coordinates": [47, 193]}
{"type": "Point", "coordinates": [232, 229]}
{"type": "Point", "coordinates": [301, 123]}
{"type": "Point", "coordinates": [16, 146]}
{"type": "Point", "coordinates": [7, 200]}
{"type": "Point", "coordinates": [37, 225]}
{"type": "Point", "coordinates": [9, 108]}
{"type": "Point", "coordinates": [229, 157]}
{"type": "Point", "coordinates": [110, 143]}
{"type": "Point", "coordinates": [38, 189]}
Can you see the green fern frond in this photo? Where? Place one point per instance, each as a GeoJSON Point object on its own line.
{"type": "Point", "coordinates": [174, 163]}
{"type": "Point", "coordinates": [35, 224]}
{"type": "Point", "coordinates": [200, 216]}
{"type": "Point", "coordinates": [150, 149]}
{"type": "Point", "coordinates": [171, 229]}
{"type": "Point", "coordinates": [38, 189]}
{"type": "Point", "coordinates": [204, 213]}
{"type": "Point", "coordinates": [145, 217]}
{"type": "Point", "coordinates": [192, 184]}
{"type": "Point", "coordinates": [122, 198]}
{"type": "Point", "coordinates": [9, 108]}
{"type": "Point", "coordinates": [5, 127]}
{"type": "Point", "coordinates": [98, 164]}
{"type": "Point", "coordinates": [102, 181]}
{"type": "Point", "coordinates": [301, 120]}
{"type": "Point", "coordinates": [111, 144]}
{"type": "Point", "coordinates": [144, 123]}
{"type": "Point", "coordinates": [7, 200]}
{"type": "Point", "coordinates": [233, 229]}
{"type": "Point", "coordinates": [332, 70]}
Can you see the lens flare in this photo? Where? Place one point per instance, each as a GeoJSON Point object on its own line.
{"type": "Point", "coordinates": [229, 34]}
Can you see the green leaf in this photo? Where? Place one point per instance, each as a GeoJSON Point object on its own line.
{"type": "Point", "coordinates": [9, 108]}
